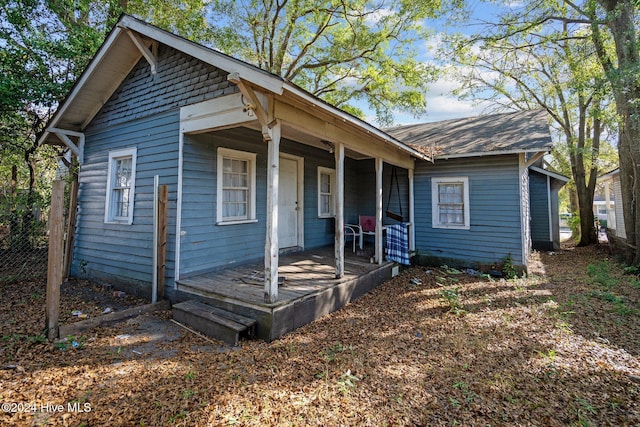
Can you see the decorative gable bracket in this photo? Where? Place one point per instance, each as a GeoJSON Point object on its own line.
{"type": "Point", "coordinates": [150, 55]}
{"type": "Point", "coordinates": [76, 148]}
{"type": "Point", "coordinates": [263, 113]}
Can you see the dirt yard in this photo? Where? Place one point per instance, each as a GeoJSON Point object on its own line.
{"type": "Point", "coordinates": [431, 347]}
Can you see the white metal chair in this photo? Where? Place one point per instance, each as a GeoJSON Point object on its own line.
{"type": "Point", "coordinates": [366, 227]}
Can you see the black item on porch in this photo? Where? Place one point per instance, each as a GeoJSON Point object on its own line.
{"type": "Point", "coordinates": [390, 214]}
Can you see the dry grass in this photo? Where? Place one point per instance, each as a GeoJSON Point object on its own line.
{"type": "Point", "coordinates": [560, 347]}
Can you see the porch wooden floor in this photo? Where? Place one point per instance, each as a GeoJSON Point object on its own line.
{"type": "Point", "coordinates": [304, 273]}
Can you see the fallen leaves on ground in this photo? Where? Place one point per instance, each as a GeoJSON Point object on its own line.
{"type": "Point", "coordinates": [433, 346]}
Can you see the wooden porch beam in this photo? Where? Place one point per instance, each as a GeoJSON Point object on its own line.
{"type": "Point", "coordinates": [144, 50]}
{"type": "Point", "coordinates": [271, 247]}
{"type": "Point", "coordinates": [332, 131]}
{"type": "Point", "coordinates": [76, 149]}
{"type": "Point", "coordinates": [379, 165]}
{"type": "Point", "coordinates": [263, 114]}
{"type": "Point", "coordinates": [535, 158]}
{"type": "Point", "coordinates": [215, 114]}
{"type": "Point", "coordinates": [339, 222]}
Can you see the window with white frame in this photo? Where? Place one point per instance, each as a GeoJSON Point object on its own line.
{"type": "Point", "coordinates": [236, 196]}
{"type": "Point", "coordinates": [121, 180]}
{"type": "Point", "coordinates": [326, 192]}
{"type": "Point", "coordinates": [450, 202]}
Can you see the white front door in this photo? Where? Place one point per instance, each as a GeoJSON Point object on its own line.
{"type": "Point", "coordinates": [288, 208]}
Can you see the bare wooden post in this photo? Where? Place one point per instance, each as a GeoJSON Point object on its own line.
{"type": "Point", "coordinates": [71, 227]}
{"type": "Point", "coordinates": [412, 216]}
{"type": "Point", "coordinates": [271, 256]}
{"type": "Point", "coordinates": [54, 272]}
{"type": "Point", "coordinates": [379, 255]}
{"type": "Point", "coordinates": [339, 203]}
{"type": "Point", "coordinates": [163, 195]}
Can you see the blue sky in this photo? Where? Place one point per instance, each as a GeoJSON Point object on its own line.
{"type": "Point", "coordinates": [441, 104]}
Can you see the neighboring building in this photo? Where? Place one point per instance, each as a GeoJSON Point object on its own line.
{"type": "Point", "coordinates": [257, 167]}
{"type": "Point", "coordinates": [601, 211]}
{"type": "Point", "coordinates": [612, 193]}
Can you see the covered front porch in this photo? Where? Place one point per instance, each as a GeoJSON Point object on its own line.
{"type": "Point", "coordinates": [297, 135]}
{"type": "Point", "coordinates": [308, 288]}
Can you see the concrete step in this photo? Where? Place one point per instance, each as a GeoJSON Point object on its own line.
{"type": "Point", "coordinates": [214, 322]}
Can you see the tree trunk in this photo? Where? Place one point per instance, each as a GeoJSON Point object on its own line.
{"type": "Point", "coordinates": [629, 151]}
{"type": "Point", "coordinates": [584, 187]}
{"type": "Point", "coordinates": [622, 74]}
{"type": "Point", "coordinates": [588, 232]}
{"type": "Point", "coordinates": [627, 94]}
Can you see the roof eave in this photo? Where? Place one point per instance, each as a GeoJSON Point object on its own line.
{"type": "Point", "coordinates": [79, 84]}
{"type": "Point", "coordinates": [490, 153]}
{"type": "Point", "coordinates": [346, 117]}
{"type": "Point", "coordinates": [551, 174]}
{"type": "Point", "coordinates": [609, 175]}
{"type": "Point", "coordinates": [257, 77]}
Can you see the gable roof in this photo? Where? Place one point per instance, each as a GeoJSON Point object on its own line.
{"type": "Point", "coordinates": [508, 133]}
{"type": "Point", "coordinates": [609, 175]}
{"type": "Point", "coordinates": [550, 174]}
{"type": "Point", "coordinates": [119, 54]}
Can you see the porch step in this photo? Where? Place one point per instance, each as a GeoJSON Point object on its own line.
{"type": "Point", "coordinates": [214, 322]}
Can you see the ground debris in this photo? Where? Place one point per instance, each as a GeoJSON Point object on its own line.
{"type": "Point", "coordinates": [559, 347]}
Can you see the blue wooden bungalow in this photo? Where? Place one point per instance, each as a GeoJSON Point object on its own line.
{"type": "Point", "coordinates": [255, 166]}
{"type": "Point", "coordinates": [492, 167]}
{"type": "Point", "coordinates": [262, 179]}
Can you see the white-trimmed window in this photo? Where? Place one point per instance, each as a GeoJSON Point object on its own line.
{"type": "Point", "coordinates": [326, 192]}
{"type": "Point", "coordinates": [121, 186]}
{"type": "Point", "coordinates": [450, 202]}
{"type": "Point", "coordinates": [236, 196]}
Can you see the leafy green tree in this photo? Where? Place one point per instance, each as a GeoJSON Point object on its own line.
{"type": "Point", "coordinates": [618, 20]}
{"type": "Point", "coordinates": [187, 18]}
{"type": "Point", "coordinates": [549, 66]}
{"type": "Point", "coordinates": [343, 51]}
{"type": "Point", "coordinates": [44, 46]}
{"type": "Point", "coordinates": [36, 72]}
{"type": "Point", "coordinates": [613, 26]}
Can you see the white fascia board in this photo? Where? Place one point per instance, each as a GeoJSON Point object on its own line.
{"type": "Point", "coordinates": [483, 153]}
{"type": "Point", "coordinates": [79, 85]}
{"type": "Point", "coordinates": [550, 174]}
{"type": "Point", "coordinates": [345, 117]}
{"type": "Point", "coordinates": [609, 175]}
{"type": "Point", "coordinates": [246, 71]}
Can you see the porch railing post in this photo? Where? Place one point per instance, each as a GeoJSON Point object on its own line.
{"type": "Point", "coordinates": [339, 233]}
{"type": "Point", "coordinates": [379, 254]}
{"type": "Point", "coordinates": [271, 241]}
{"type": "Point", "coordinates": [412, 220]}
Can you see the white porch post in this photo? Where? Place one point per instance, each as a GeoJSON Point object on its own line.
{"type": "Point", "coordinates": [607, 200]}
{"type": "Point", "coordinates": [271, 240]}
{"type": "Point", "coordinates": [379, 254]}
{"type": "Point", "coordinates": [412, 220]}
{"type": "Point", "coordinates": [339, 221]}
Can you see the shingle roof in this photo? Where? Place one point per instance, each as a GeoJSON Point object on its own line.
{"type": "Point", "coordinates": [118, 55]}
{"type": "Point", "coordinates": [522, 131]}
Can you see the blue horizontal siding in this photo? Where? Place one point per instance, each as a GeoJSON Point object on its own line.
{"type": "Point", "coordinates": [395, 191]}
{"type": "Point", "coordinates": [538, 193]}
{"type": "Point", "coordinates": [206, 246]}
{"type": "Point", "coordinates": [124, 252]}
{"type": "Point", "coordinates": [494, 202]}
{"type": "Point", "coordinates": [180, 80]}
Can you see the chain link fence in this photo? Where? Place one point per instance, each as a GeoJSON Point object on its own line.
{"type": "Point", "coordinates": [23, 237]}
